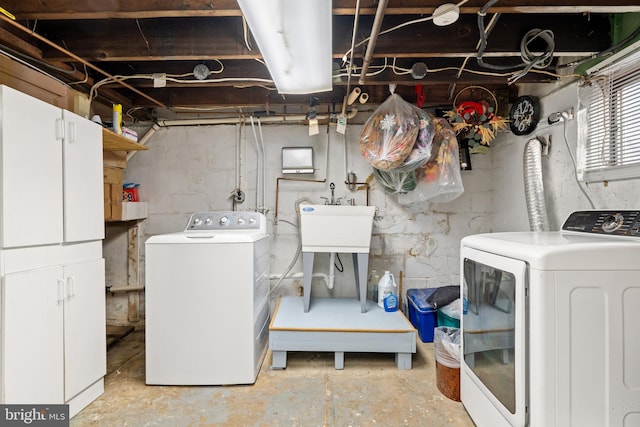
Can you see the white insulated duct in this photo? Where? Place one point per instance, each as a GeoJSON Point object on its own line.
{"type": "Point", "coordinates": [533, 185]}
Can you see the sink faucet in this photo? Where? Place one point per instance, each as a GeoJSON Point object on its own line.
{"type": "Point", "coordinates": [332, 200]}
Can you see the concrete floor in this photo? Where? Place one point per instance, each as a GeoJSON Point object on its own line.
{"type": "Point", "coordinates": [370, 391]}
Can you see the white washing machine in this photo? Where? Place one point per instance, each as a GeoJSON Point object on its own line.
{"type": "Point", "coordinates": [207, 301]}
{"type": "Point", "coordinates": [551, 337]}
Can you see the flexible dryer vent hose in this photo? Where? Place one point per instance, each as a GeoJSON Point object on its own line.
{"type": "Point", "coordinates": [533, 186]}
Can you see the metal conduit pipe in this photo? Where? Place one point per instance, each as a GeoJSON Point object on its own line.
{"type": "Point", "coordinates": [233, 120]}
{"type": "Point", "coordinates": [373, 38]}
{"type": "Point", "coordinates": [294, 118]}
{"type": "Point", "coordinates": [533, 186]}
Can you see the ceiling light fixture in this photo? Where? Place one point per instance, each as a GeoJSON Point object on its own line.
{"type": "Point", "coordinates": [419, 70]}
{"type": "Point", "coordinates": [294, 38]}
{"type": "Point", "coordinates": [201, 71]}
{"type": "Point", "coordinates": [446, 14]}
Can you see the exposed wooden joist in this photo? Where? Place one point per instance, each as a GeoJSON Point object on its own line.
{"type": "Point", "coordinates": [164, 36]}
{"type": "Point", "coordinates": [256, 97]}
{"type": "Point", "coordinates": [62, 9]}
{"type": "Point", "coordinates": [202, 39]}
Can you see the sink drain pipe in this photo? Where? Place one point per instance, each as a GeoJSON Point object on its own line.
{"type": "Point", "coordinates": [533, 185]}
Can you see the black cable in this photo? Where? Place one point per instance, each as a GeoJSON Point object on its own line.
{"type": "Point", "coordinates": [341, 268]}
{"type": "Point", "coordinates": [601, 53]}
{"type": "Point", "coordinates": [37, 61]}
{"type": "Point", "coordinates": [528, 61]}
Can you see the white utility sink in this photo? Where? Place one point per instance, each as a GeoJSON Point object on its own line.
{"type": "Point", "coordinates": [336, 228]}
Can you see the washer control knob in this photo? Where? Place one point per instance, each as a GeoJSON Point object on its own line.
{"type": "Point", "coordinates": [197, 221]}
{"type": "Point", "coordinates": [252, 221]}
{"type": "Point", "coordinates": [241, 221]}
{"type": "Point", "coordinates": [612, 223]}
{"type": "Point", "coordinates": [225, 220]}
{"type": "Point", "coordinates": [208, 221]}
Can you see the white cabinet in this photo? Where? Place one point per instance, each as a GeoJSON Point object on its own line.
{"type": "Point", "coordinates": [32, 329]}
{"type": "Point", "coordinates": [84, 326]}
{"type": "Point", "coordinates": [51, 173]}
{"type": "Point", "coordinates": [52, 321]}
{"type": "Point", "coordinates": [52, 301]}
{"type": "Point", "coordinates": [82, 178]}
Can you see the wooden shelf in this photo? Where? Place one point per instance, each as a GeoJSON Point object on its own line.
{"type": "Point", "coordinates": [111, 141]}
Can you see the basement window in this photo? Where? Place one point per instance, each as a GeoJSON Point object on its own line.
{"type": "Point", "coordinates": [609, 128]}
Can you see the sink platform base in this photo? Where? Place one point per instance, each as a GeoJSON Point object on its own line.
{"type": "Point", "coordinates": [335, 325]}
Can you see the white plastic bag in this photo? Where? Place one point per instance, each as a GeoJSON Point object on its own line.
{"type": "Point", "coordinates": [447, 345]}
{"type": "Point", "coordinates": [440, 180]}
{"type": "Point", "coordinates": [421, 152]}
{"type": "Point", "coordinates": [396, 182]}
{"type": "Point", "coordinates": [388, 136]}
{"type": "Point", "coordinates": [453, 309]}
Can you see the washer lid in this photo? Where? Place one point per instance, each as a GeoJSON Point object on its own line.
{"type": "Point", "coordinates": [206, 237]}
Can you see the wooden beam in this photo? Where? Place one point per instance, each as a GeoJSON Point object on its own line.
{"type": "Point", "coordinates": [142, 9]}
{"type": "Point", "coordinates": [222, 38]}
{"type": "Point", "coordinates": [258, 98]}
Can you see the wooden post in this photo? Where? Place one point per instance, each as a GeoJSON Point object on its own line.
{"type": "Point", "coordinates": [133, 278]}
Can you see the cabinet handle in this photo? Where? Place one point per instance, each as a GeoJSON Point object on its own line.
{"type": "Point", "coordinates": [60, 290]}
{"type": "Point", "coordinates": [72, 133]}
{"type": "Point", "coordinates": [59, 129]}
{"type": "Point", "coordinates": [71, 289]}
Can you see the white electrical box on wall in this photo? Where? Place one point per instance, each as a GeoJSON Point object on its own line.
{"type": "Point", "coordinates": [297, 160]}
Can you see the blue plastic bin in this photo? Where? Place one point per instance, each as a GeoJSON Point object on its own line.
{"type": "Point", "coordinates": [421, 315]}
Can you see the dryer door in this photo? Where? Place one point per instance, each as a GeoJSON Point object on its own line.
{"type": "Point", "coordinates": [494, 343]}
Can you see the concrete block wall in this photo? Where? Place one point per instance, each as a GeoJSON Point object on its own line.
{"type": "Point", "coordinates": [196, 168]}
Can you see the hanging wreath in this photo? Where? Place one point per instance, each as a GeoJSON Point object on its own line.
{"type": "Point", "coordinates": [474, 117]}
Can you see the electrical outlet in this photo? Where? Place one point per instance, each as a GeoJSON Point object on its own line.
{"type": "Point", "coordinates": [569, 114]}
{"type": "Point", "coordinates": [238, 196]}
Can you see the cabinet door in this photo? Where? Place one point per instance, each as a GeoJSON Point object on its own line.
{"type": "Point", "coordinates": [32, 353]}
{"type": "Point", "coordinates": [82, 170]}
{"type": "Point", "coordinates": [84, 326]}
{"type": "Point", "coordinates": [31, 170]}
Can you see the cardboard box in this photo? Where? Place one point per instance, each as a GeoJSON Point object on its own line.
{"type": "Point", "coordinates": [114, 159]}
{"type": "Point", "coordinates": [116, 211]}
{"type": "Point", "coordinates": [107, 201]}
{"type": "Point", "coordinates": [113, 180]}
{"type": "Point", "coordinates": [113, 176]}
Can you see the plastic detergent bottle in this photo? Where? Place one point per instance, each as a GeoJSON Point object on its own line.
{"type": "Point", "coordinates": [372, 292]}
{"type": "Point", "coordinates": [386, 288]}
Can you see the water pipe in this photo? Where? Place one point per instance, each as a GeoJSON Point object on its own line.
{"type": "Point", "coordinates": [332, 270]}
{"type": "Point", "coordinates": [298, 248]}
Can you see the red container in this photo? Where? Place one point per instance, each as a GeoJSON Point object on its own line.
{"type": "Point", "coordinates": [130, 192]}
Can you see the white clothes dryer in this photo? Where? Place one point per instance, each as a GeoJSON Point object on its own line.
{"type": "Point", "coordinates": [551, 337]}
{"type": "Point", "coordinates": [207, 301]}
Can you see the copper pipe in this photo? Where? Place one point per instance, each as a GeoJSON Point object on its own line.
{"type": "Point", "coordinates": [77, 58]}
{"type": "Point", "coordinates": [366, 185]}
{"type": "Point", "coordinates": [373, 38]}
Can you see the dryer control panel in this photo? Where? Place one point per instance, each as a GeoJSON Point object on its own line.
{"type": "Point", "coordinates": [617, 223]}
{"type": "Point", "coordinates": [226, 220]}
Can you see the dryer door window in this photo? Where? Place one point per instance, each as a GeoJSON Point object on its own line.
{"type": "Point", "coordinates": [493, 329]}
